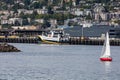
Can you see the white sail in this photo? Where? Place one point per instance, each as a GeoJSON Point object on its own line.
{"type": "Point", "coordinates": [106, 51]}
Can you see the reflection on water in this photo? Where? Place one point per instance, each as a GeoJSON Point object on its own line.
{"type": "Point", "coordinates": [107, 67]}
{"type": "Point", "coordinates": [107, 70]}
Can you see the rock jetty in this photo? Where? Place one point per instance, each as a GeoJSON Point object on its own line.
{"type": "Point", "coordinates": [4, 47]}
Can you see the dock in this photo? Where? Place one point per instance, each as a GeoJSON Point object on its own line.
{"type": "Point", "coordinates": [79, 41]}
{"type": "Point", "coordinates": [20, 40]}
{"type": "Point", "coordinates": [31, 36]}
{"type": "Point", "coordinates": [72, 41]}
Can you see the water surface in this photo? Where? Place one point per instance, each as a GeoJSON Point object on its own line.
{"type": "Point", "coordinates": [58, 62]}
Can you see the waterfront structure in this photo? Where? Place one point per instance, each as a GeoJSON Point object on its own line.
{"type": "Point", "coordinates": [95, 31]}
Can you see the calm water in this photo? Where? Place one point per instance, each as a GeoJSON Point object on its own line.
{"type": "Point", "coordinates": [59, 62]}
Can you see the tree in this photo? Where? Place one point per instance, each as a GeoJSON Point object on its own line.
{"type": "Point", "coordinates": [46, 24]}
{"type": "Point", "coordinates": [8, 1]}
{"type": "Point", "coordinates": [6, 26]}
{"type": "Point", "coordinates": [17, 23]}
{"type": "Point", "coordinates": [88, 17]}
{"type": "Point", "coordinates": [50, 10]}
{"type": "Point", "coordinates": [4, 7]}
{"type": "Point", "coordinates": [77, 2]}
{"type": "Point", "coordinates": [36, 5]}
{"type": "Point", "coordinates": [26, 2]}
{"type": "Point", "coordinates": [17, 6]}
{"type": "Point", "coordinates": [23, 16]}
{"type": "Point", "coordinates": [117, 21]}
{"type": "Point", "coordinates": [44, 2]}
{"type": "Point", "coordinates": [56, 2]}
{"type": "Point", "coordinates": [33, 15]}
{"type": "Point", "coordinates": [25, 22]}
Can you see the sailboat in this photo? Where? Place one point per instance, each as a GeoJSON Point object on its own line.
{"type": "Point", "coordinates": [106, 55]}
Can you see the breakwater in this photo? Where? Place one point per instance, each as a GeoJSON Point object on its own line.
{"type": "Point", "coordinates": [8, 48]}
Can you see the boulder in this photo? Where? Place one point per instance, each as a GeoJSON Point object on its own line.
{"type": "Point", "coordinates": [4, 47]}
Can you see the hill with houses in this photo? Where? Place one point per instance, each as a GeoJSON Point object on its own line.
{"type": "Point", "coordinates": [50, 13]}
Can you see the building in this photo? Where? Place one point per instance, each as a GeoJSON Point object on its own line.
{"type": "Point", "coordinates": [95, 31]}
{"type": "Point", "coordinates": [115, 15]}
{"type": "Point", "coordinates": [24, 27]}
{"type": "Point", "coordinates": [5, 21]}
{"type": "Point", "coordinates": [24, 11]}
{"type": "Point", "coordinates": [42, 11]}
{"type": "Point", "coordinates": [40, 20]}
{"type": "Point", "coordinates": [78, 12]}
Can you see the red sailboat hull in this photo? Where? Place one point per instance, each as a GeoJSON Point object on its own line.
{"type": "Point", "coordinates": [106, 59]}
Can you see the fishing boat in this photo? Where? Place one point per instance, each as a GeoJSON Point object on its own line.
{"type": "Point", "coordinates": [53, 37]}
{"type": "Point", "coordinates": [106, 55]}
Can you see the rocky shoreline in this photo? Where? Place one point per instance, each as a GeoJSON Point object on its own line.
{"type": "Point", "coordinates": [4, 47]}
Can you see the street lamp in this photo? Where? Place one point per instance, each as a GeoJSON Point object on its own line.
{"type": "Point", "coordinates": [82, 36]}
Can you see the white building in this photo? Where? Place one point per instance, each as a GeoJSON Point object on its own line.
{"type": "Point", "coordinates": [53, 22]}
{"type": "Point", "coordinates": [115, 15]}
{"type": "Point", "coordinates": [24, 27]}
{"type": "Point", "coordinates": [42, 11]}
{"type": "Point", "coordinates": [40, 20]}
{"type": "Point", "coordinates": [5, 21]}
{"type": "Point", "coordinates": [16, 19]}
{"type": "Point", "coordinates": [104, 16]}
{"type": "Point", "coordinates": [25, 11]}
{"type": "Point", "coordinates": [78, 12]}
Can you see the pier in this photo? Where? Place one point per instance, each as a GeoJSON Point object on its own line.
{"type": "Point", "coordinates": [72, 41]}
{"type": "Point", "coordinates": [31, 36]}
{"type": "Point", "coordinates": [79, 41]}
{"type": "Point", "coordinates": [20, 36]}
{"type": "Point", "coordinates": [20, 40]}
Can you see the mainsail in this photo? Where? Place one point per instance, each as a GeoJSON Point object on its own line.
{"type": "Point", "coordinates": [106, 47]}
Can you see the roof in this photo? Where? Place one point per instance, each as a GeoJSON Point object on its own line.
{"type": "Point", "coordinates": [94, 31]}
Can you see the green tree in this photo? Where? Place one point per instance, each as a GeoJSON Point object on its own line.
{"type": "Point", "coordinates": [26, 2]}
{"type": "Point", "coordinates": [8, 1]}
{"type": "Point", "coordinates": [117, 21]}
{"type": "Point", "coordinates": [46, 24]}
{"type": "Point", "coordinates": [4, 7]}
{"type": "Point", "coordinates": [50, 11]}
{"type": "Point", "coordinates": [33, 15]}
{"type": "Point", "coordinates": [88, 17]}
{"type": "Point", "coordinates": [25, 22]}
{"type": "Point", "coordinates": [6, 26]}
{"type": "Point", "coordinates": [17, 23]}
{"type": "Point", "coordinates": [36, 5]}
{"type": "Point", "coordinates": [77, 2]}
{"type": "Point", "coordinates": [17, 6]}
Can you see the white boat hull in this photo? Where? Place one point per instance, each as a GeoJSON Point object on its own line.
{"type": "Point", "coordinates": [49, 40]}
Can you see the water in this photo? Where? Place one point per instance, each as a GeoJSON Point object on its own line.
{"type": "Point", "coordinates": [58, 62]}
